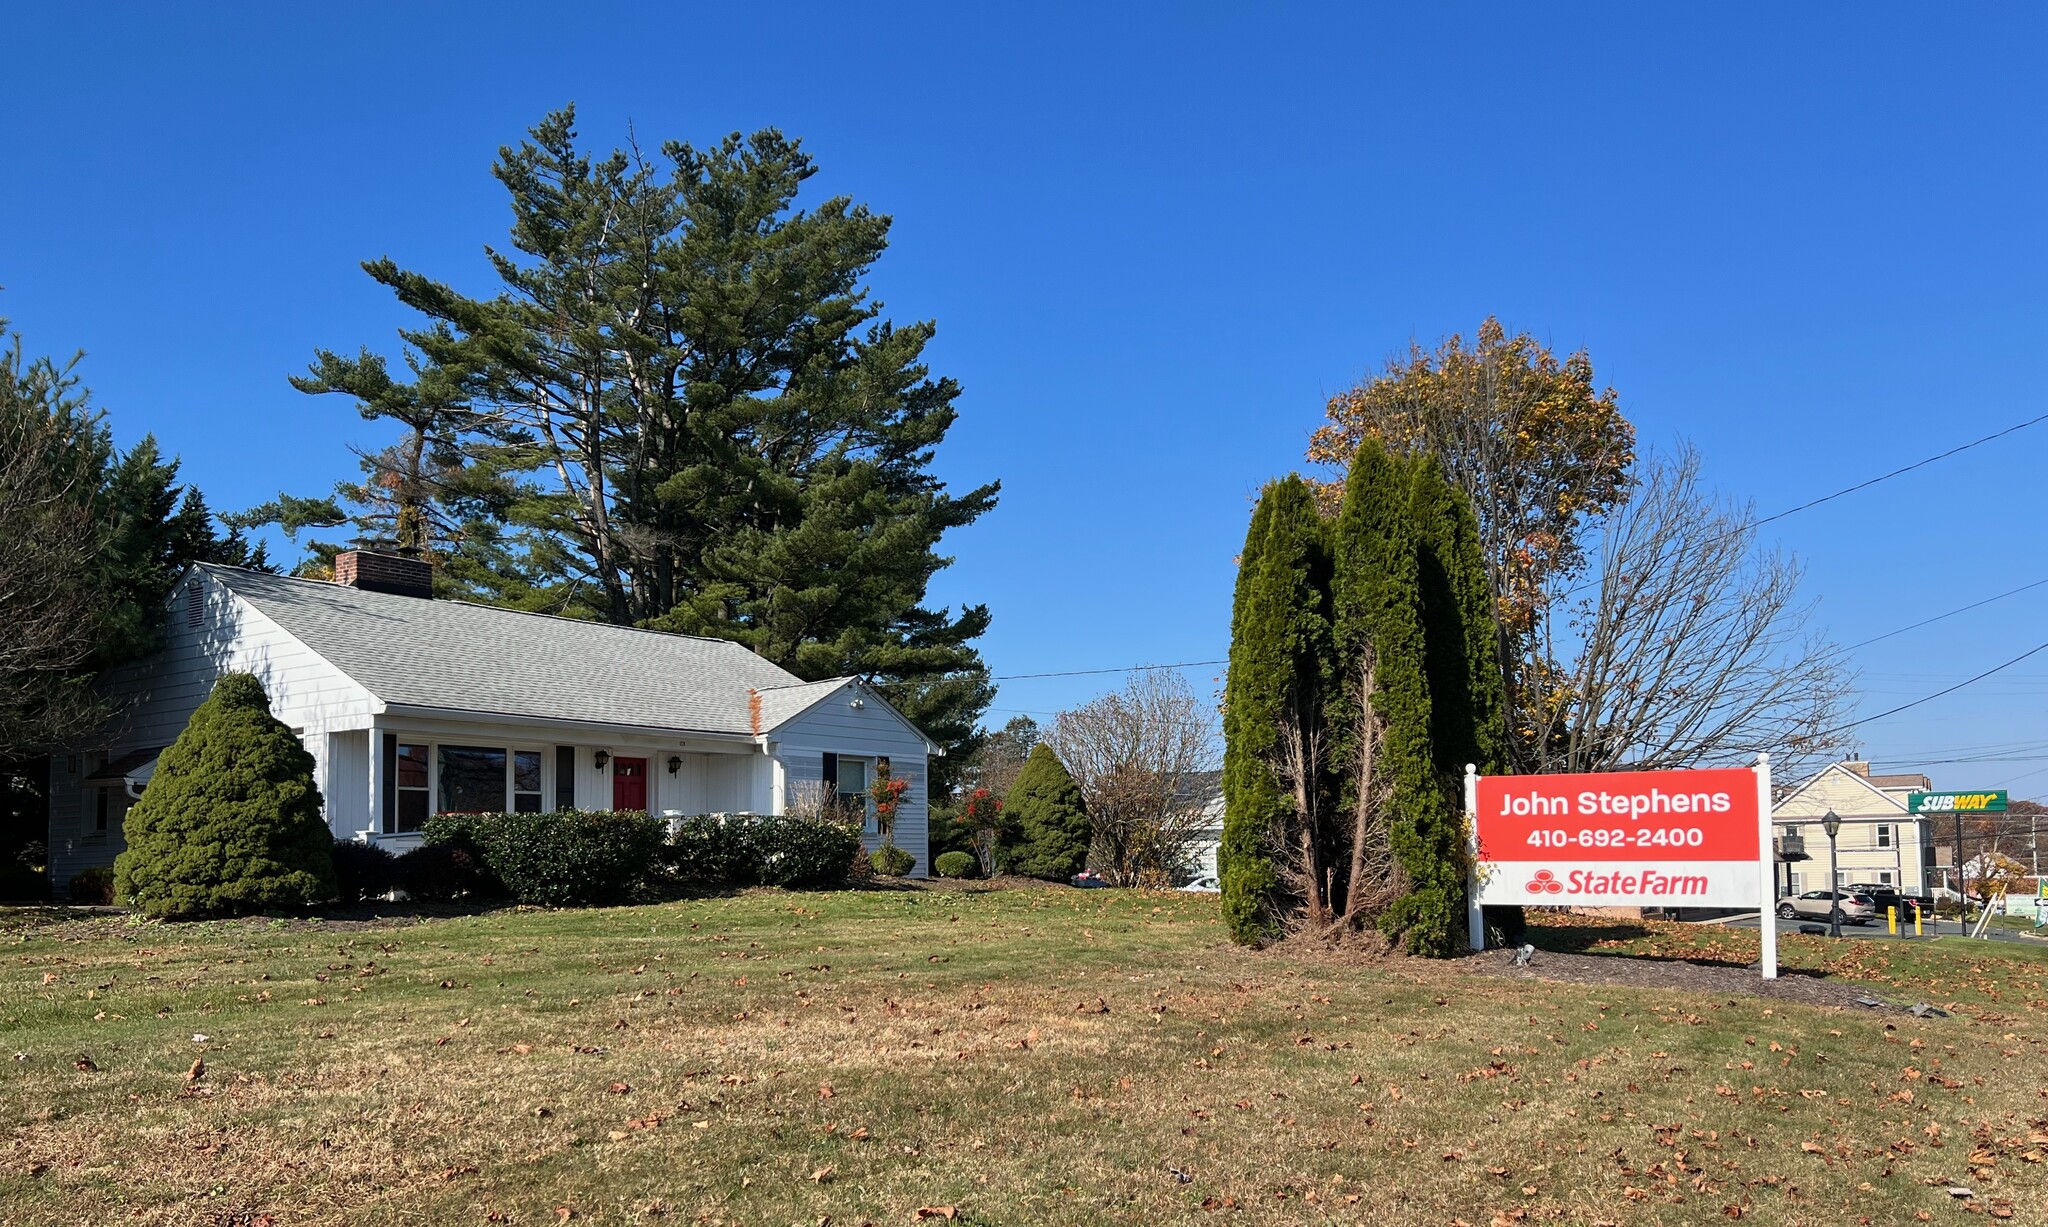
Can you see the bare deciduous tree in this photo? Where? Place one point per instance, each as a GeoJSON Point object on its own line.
{"type": "Point", "coordinates": [1137, 753]}
{"type": "Point", "coordinates": [1693, 648]}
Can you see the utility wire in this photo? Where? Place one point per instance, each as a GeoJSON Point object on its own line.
{"type": "Point", "coordinates": [1185, 664]}
{"type": "Point", "coordinates": [2039, 647]}
{"type": "Point", "coordinates": [1938, 617]}
{"type": "Point", "coordinates": [1861, 485]}
{"type": "Point", "coordinates": [1779, 515]}
{"type": "Point", "coordinates": [1917, 464]}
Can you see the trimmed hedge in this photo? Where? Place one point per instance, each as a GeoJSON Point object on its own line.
{"type": "Point", "coordinates": [956, 865]}
{"type": "Point", "coordinates": [802, 852]}
{"type": "Point", "coordinates": [568, 858]}
{"type": "Point", "coordinates": [437, 873]}
{"type": "Point", "coordinates": [362, 871]}
{"type": "Point", "coordinates": [763, 849]}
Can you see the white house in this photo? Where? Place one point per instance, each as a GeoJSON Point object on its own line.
{"type": "Point", "coordinates": [1880, 842]}
{"type": "Point", "coordinates": [413, 706]}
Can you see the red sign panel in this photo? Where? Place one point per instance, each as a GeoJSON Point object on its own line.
{"type": "Point", "coordinates": [1645, 838]}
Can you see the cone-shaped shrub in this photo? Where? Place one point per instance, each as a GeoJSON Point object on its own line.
{"type": "Point", "coordinates": [1052, 821]}
{"type": "Point", "coordinates": [1280, 658]}
{"type": "Point", "coordinates": [231, 819]}
{"type": "Point", "coordinates": [1379, 609]}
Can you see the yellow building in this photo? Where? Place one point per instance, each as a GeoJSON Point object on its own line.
{"type": "Point", "coordinates": [1880, 843]}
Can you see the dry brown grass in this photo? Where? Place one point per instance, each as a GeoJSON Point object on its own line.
{"type": "Point", "coordinates": [1020, 1057]}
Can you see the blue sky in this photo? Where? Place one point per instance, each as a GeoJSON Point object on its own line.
{"type": "Point", "coordinates": [1805, 238]}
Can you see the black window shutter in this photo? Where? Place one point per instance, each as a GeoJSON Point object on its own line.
{"type": "Point", "coordinates": [390, 798]}
{"type": "Point", "coordinates": [565, 777]}
{"type": "Point", "coordinates": [831, 772]}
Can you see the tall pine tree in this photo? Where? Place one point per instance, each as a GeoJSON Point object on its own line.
{"type": "Point", "coordinates": [1277, 688]}
{"type": "Point", "coordinates": [709, 425]}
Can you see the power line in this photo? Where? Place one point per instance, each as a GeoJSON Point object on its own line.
{"type": "Point", "coordinates": [1904, 469]}
{"type": "Point", "coordinates": [1185, 664]}
{"type": "Point", "coordinates": [1861, 485]}
{"type": "Point", "coordinates": [1779, 515]}
{"type": "Point", "coordinates": [1938, 617]}
{"type": "Point", "coordinates": [2039, 647]}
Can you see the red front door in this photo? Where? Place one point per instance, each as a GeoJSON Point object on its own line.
{"type": "Point", "coordinates": [629, 783]}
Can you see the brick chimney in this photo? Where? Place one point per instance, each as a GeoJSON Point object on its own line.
{"type": "Point", "coordinates": [1858, 766]}
{"type": "Point", "coordinates": [390, 573]}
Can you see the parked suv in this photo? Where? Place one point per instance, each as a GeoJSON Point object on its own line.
{"type": "Point", "coordinates": [1816, 904]}
{"type": "Point", "coordinates": [1882, 897]}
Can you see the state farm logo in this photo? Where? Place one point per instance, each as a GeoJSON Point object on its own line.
{"type": "Point", "coordinates": [1545, 883]}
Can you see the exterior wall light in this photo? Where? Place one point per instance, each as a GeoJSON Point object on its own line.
{"type": "Point", "coordinates": [603, 757]}
{"type": "Point", "coordinates": [675, 763]}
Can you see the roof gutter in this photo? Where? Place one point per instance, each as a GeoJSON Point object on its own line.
{"type": "Point", "coordinates": [592, 726]}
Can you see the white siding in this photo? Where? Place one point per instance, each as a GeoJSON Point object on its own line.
{"type": "Point", "coordinates": [210, 632]}
{"type": "Point", "coordinates": [346, 783]}
{"type": "Point", "coordinates": [870, 731]}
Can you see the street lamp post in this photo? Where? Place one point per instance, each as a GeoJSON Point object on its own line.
{"type": "Point", "coordinates": [1832, 824]}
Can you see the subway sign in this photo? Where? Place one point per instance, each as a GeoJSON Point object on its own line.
{"type": "Point", "coordinates": [1956, 802]}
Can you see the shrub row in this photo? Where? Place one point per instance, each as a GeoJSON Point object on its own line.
{"type": "Point", "coordinates": [575, 858]}
{"type": "Point", "coordinates": [764, 850]}
{"type": "Point", "coordinates": [569, 858]}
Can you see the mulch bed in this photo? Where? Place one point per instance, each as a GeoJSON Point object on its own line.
{"type": "Point", "coordinates": [1804, 987]}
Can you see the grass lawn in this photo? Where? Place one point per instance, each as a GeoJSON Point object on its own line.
{"type": "Point", "coordinates": [1028, 1056]}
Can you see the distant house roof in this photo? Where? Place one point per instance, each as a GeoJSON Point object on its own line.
{"type": "Point", "coordinates": [455, 656]}
{"type": "Point", "coordinates": [1920, 782]}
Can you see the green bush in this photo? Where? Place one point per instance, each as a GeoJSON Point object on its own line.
{"type": "Point", "coordinates": [568, 858]}
{"type": "Point", "coordinates": [763, 849]}
{"type": "Point", "coordinates": [1052, 827]}
{"type": "Point", "coordinates": [93, 886]}
{"type": "Point", "coordinates": [892, 862]}
{"type": "Point", "coordinates": [956, 865]}
{"type": "Point", "coordinates": [231, 819]}
{"type": "Point", "coordinates": [437, 873]}
{"type": "Point", "coordinates": [715, 848]}
{"type": "Point", "coordinates": [801, 853]}
{"type": "Point", "coordinates": [362, 871]}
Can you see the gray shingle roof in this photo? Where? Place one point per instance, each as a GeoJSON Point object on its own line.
{"type": "Point", "coordinates": [784, 702]}
{"type": "Point", "coordinates": [474, 658]}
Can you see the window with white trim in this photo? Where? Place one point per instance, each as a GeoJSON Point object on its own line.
{"type": "Point", "coordinates": [853, 791]}
{"type": "Point", "coordinates": [1884, 835]}
{"type": "Point", "coordinates": [415, 788]}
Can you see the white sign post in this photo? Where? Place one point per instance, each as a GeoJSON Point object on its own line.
{"type": "Point", "coordinates": [1767, 870]}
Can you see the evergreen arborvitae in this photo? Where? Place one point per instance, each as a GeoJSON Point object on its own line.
{"type": "Point", "coordinates": [230, 821]}
{"type": "Point", "coordinates": [1379, 608]}
{"type": "Point", "coordinates": [1468, 703]}
{"type": "Point", "coordinates": [1280, 651]}
{"type": "Point", "coordinates": [1051, 820]}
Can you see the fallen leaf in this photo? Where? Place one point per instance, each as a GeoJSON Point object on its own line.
{"type": "Point", "coordinates": [944, 1212]}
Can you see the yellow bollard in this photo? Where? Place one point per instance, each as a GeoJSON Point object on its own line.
{"type": "Point", "coordinates": [1916, 920]}
{"type": "Point", "coordinates": [1891, 918]}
